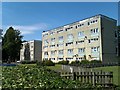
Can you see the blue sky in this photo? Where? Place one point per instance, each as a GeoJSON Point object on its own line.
{"type": "Point", "coordinates": [33, 18]}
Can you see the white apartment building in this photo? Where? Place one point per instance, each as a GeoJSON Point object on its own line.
{"type": "Point", "coordinates": [92, 38]}
{"type": "Point", "coordinates": [31, 50]}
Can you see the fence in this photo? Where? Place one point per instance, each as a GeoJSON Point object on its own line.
{"type": "Point", "coordinates": [101, 78]}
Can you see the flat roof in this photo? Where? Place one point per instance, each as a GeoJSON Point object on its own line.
{"type": "Point", "coordinates": [78, 21]}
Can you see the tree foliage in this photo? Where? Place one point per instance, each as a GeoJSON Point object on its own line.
{"type": "Point", "coordinates": [11, 45]}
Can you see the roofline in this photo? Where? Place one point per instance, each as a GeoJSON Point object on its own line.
{"type": "Point", "coordinates": [32, 40]}
{"type": "Point", "coordinates": [80, 20]}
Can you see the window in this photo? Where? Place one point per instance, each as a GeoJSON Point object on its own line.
{"type": "Point", "coordinates": [60, 45]}
{"type": "Point", "coordinates": [46, 42]}
{"type": "Point", "coordinates": [94, 31]}
{"type": "Point", "coordinates": [68, 28]}
{"type": "Point", "coordinates": [52, 46]}
{"type": "Point", "coordinates": [70, 51]}
{"type": "Point", "coordinates": [89, 41]}
{"type": "Point", "coordinates": [78, 42]}
{"type": "Point", "coordinates": [81, 50]}
{"type": "Point", "coordinates": [95, 49]}
{"type": "Point", "coordinates": [45, 47]}
{"type": "Point", "coordinates": [80, 34]}
{"type": "Point", "coordinates": [94, 39]}
{"type": "Point", "coordinates": [81, 58]}
{"type": "Point", "coordinates": [60, 39]}
{"type": "Point", "coordinates": [60, 58]}
{"type": "Point", "coordinates": [115, 33]}
{"type": "Point", "coordinates": [59, 31]}
{"type": "Point", "coordinates": [52, 39]}
{"type": "Point", "coordinates": [31, 46]}
{"type": "Point", "coordinates": [52, 58]}
{"type": "Point", "coordinates": [45, 53]}
{"type": "Point", "coordinates": [80, 25]}
{"type": "Point", "coordinates": [60, 52]}
{"type": "Point", "coordinates": [92, 22]}
{"type": "Point", "coordinates": [52, 52]}
{"type": "Point", "coordinates": [88, 23]}
{"type": "Point", "coordinates": [70, 37]}
{"type": "Point", "coordinates": [45, 34]}
{"type": "Point", "coordinates": [76, 27]}
{"type": "Point", "coordinates": [69, 58]}
{"type": "Point", "coordinates": [51, 33]}
{"type": "Point", "coordinates": [67, 44]}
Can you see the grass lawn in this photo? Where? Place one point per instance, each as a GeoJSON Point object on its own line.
{"type": "Point", "coordinates": [114, 69]}
{"type": "Point", "coordinates": [57, 67]}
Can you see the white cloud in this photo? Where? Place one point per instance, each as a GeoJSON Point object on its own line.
{"type": "Point", "coordinates": [29, 29]}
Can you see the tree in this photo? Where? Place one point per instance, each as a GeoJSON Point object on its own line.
{"type": "Point", "coordinates": [11, 45]}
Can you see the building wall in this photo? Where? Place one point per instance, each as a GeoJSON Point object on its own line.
{"type": "Point", "coordinates": [34, 48]}
{"type": "Point", "coordinates": [93, 48]}
{"type": "Point", "coordinates": [109, 40]}
{"type": "Point", "coordinates": [38, 50]}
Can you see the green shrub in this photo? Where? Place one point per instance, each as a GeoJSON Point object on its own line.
{"type": "Point", "coordinates": [37, 78]}
{"type": "Point", "coordinates": [63, 62]}
{"type": "Point", "coordinates": [95, 61]}
{"type": "Point", "coordinates": [85, 62]}
{"type": "Point", "coordinates": [75, 63]}
{"type": "Point", "coordinates": [28, 62]}
{"type": "Point", "coordinates": [40, 63]}
{"type": "Point", "coordinates": [48, 63]}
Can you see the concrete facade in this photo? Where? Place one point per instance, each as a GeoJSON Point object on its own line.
{"type": "Point", "coordinates": [91, 38]}
{"type": "Point", "coordinates": [34, 50]}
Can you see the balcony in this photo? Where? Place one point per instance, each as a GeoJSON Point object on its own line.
{"type": "Point", "coordinates": [60, 41]}
{"type": "Point", "coordinates": [95, 54]}
{"type": "Point", "coordinates": [94, 34]}
{"type": "Point", "coordinates": [70, 40]}
{"type": "Point", "coordinates": [70, 54]}
{"type": "Point", "coordinates": [81, 54]}
{"type": "Point", "coordinates": [60, 55]}
{"type": "Point", "coordinates": [81, 37]}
